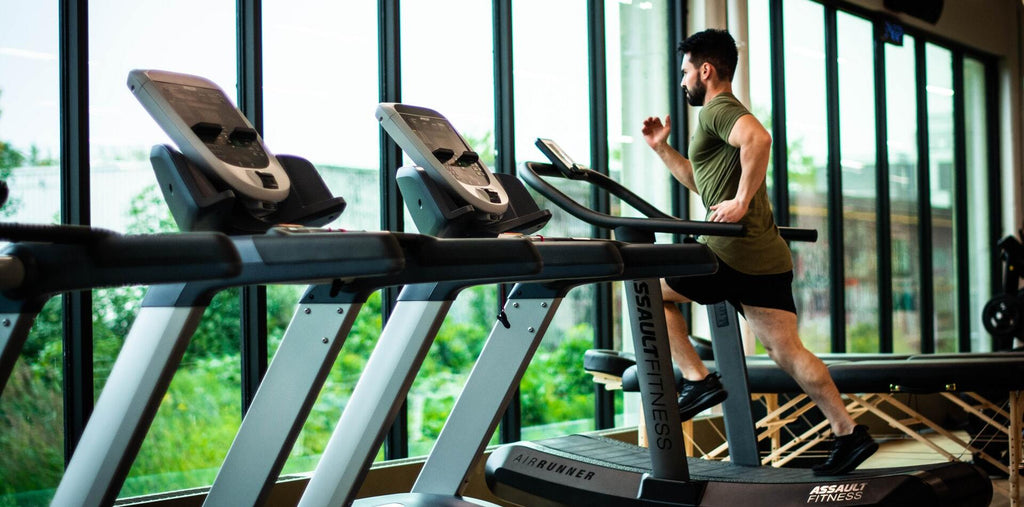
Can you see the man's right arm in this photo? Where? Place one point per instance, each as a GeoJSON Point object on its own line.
{"type": "Point", "coordinates": [656, 134]}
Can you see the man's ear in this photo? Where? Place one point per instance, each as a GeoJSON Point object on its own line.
{"type": "Point", "coordinates": [706, 69]}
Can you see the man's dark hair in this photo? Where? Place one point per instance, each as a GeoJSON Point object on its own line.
{"type": "Point", "coordinates": [716, 47]}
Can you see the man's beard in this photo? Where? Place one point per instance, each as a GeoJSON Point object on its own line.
{"type": "Point", "coordinates": [696, 96]}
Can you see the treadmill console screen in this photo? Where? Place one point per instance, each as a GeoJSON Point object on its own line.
{"type": "Point", "coordinates": [559, 157]}
{"type": "Point", "coordinates": [211, 132]}
{"type": "Point", "coordinates": [432, 143]}
{"type": "Point", "coordinates": [440, 137]}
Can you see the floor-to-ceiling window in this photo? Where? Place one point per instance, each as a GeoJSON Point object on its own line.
{"type": "Point", "coordinates": [318, 104]}
{"type": "Point", "coordinates": [939, 264]}
{"type": "Point", "coordinates": [942, 195]}
{"type": "Point", "coordinates": [978, 197]}
{"type": "Point", "coordinates": [195, 419]}
{"type": "Point", "coordinates": [901, 103]}
{"type": "Point", "coordinates": [806, 171]}
{"type": "Point", "coordinates": [859, 195]}
{"type": "Point", "coordinates": [31, 410]}
{"type": "Point", "coordinates": [450, 71]}
{"type": "Point", "coordinates": [551, 101]}
{"type": "Point", "coordinates": [642, 63]}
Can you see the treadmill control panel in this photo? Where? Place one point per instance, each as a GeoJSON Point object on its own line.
{"type": "Point", "coordinates": [432, 143]}
{"type": "Point", "coordinates": [211, 131]}
{"type": "Point", "coordinates": [559, 158]}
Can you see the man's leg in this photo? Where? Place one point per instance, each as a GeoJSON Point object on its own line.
{"type": "Point", "coordinates": [777, 330]}
{"type": "Point", "coordinates": [700, 390]}
{"type": "Point", "coordinates": [683, 353]}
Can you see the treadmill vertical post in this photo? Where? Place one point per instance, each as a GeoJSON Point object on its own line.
{"type": "Point", "coordinates": [296, 375]}
{"type": "Point", "coordinates": [732, 366]}
{"type": "Point", "coordinates": [389, 373]}
{"type": "Point", "coordinates": [138, 381]}
{"type": "Point", "coordinates": [499, 369]}
{"type": "Point", "coordinates": [657, 381]}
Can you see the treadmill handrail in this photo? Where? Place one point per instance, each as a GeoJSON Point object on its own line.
{"type": "Point", "coordinates": [64, 258]}
{"type": "Point", "coordinates": [657, 221]}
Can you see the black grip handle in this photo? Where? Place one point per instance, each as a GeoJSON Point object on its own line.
{"type": "Point", "coordinates": [52, 233]}
{"type": "Point", "coordinates": [168, 250]}
{"type": "Point", "coordinates": [798, 234]}
{"type": "Point", "coordinates": [114, 260]}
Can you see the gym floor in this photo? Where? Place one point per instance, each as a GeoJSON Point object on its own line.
{"type": "Point", "coordinates": [903, 452]}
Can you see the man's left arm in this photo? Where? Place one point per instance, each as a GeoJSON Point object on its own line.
{"type": "Point", "coordinates": [755, 144]}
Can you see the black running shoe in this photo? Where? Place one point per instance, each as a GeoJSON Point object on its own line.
{"type": "Point", "coordinates": [848, 452]}
{"type": "Point", "coordinates": [695, 396]}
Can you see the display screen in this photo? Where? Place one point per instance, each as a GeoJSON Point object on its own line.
{"type": "Point", "coordinates": [438, 133]}
{"type": "Point", "coordinates": [205, 105]}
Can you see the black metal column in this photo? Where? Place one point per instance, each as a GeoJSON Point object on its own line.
{"type": "Point", "coordinates": [883, 203]}
{"type": "Point", "coordinates": [837, 251]}
{"type": "Point", "coordinates": [604, 327]}
{"type": "Point", "coordinates": [391, 211]}
{"type": "Point", "coordinates": [511, 426]}
{"type": "Point", "coordinates": [960, 218]}
{"type": "Point", "coordinates": [74, 209]}
{"type": "Point", "coordinates": [252, 299]}
{"type": "Point", "coordinates": [780, 146]}
{"type": "Point", "coordinates": [677, 106]}
{"type": "Point", "coordinates": [924, 208]}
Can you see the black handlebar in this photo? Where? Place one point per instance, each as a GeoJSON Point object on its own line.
{"type": "Point", "coordinates": [658, 221]}
{"type": "Point", "coordinates": [62, 258]}
{"type": "Point", "coordinates": [52, 233]}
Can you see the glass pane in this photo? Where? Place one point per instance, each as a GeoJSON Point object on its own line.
{"type": "Point", "coordinates": [640, 81]}
{"type": "Point", "coordinates": [326, 116]}
{"type": "Point", "coordinates": [31, 405]}
{"type": "Point", "coordinates": [469, 105]}
{"type": "Point", "coordinates": [551, 100]}
{"type": "Point", "coordinates": [901, 108]}
{"type": "Point", "coordinates": [200, 410]}
{"type": "Point", "coordinates": [327, 119]}
{"type": "Point", "coordinates": [977, 170]}
{"type": "Point", "coordinates": [939, 89]}
{"type": "Point", "coordinates": [806, 129]}
{"type": "Point", "coordinates": [857, 146]}
{"type": "Point", "coordinates": [760, 62]}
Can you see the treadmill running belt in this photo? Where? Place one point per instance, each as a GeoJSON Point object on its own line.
{"type": "Point", "coordinates": [592, 471]}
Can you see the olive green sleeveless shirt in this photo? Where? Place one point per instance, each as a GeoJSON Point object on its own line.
{"type": "Point", "coordinates": [716, 171]}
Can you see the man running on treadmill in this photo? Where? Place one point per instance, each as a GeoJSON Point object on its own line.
{"type": "Point", "coordinates": [728, 160]}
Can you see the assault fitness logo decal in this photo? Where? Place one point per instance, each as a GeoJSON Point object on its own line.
{"type": "Point", "coordinates": [828, 493]}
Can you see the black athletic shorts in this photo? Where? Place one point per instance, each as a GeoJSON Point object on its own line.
{"type": "Point", "coordinates": [727, 284]}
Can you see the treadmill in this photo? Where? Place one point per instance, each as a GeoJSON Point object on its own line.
{"type": "Point", "coordinates": [586, 470]}
{"type": "Point", "coordinates": [435, 202]}
{"type": "Point", "coordinates": [226, 180]}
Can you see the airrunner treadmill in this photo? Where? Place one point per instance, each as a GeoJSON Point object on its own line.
{"type": "Point", "coordinates": [584, 470]}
